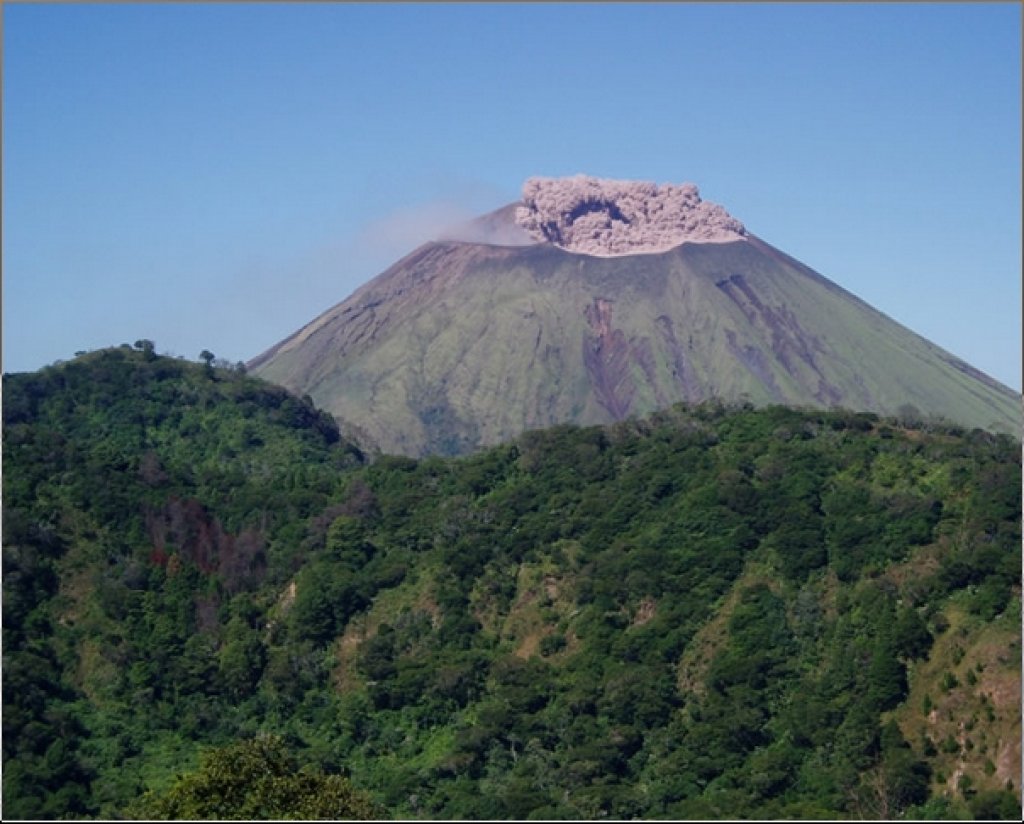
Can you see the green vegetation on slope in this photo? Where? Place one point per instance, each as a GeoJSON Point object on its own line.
{"type": "Point", "coordinates": [141, 496]}
{"type": "Point", "coordinates": [716, 612]}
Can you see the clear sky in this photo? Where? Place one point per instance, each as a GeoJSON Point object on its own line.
{"type": "Point", "coordinates": [213, 176]}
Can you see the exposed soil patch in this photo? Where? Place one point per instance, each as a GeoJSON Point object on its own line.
{"type": "Point", "coordinates": [645, 612]}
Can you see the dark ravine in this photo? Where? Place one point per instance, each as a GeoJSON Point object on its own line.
{"type": "Point", "coordinates": [607, 356]}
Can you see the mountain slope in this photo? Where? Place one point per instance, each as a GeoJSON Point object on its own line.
{"type": "Point", "coordinates": [141, 495]}
{"type": "Point", "coordinates": [709, 613]}
{"type": "Point", "coordinates": [461, 344]}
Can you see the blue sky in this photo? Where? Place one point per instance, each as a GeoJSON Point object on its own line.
{"type": "Point", "coordinates": [213, 176]}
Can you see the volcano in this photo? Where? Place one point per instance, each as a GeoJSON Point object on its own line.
{"type": "Point", "coordinates": [593, 300]}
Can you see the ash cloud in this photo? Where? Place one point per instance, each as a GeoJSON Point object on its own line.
{"type": "Point", "coordinates": [608, 218]}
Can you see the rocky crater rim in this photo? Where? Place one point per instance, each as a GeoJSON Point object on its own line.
{"type": "Point", "coordinates": [612, 218]}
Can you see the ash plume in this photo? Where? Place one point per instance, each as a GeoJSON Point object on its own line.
{"type": "Point", "coordinates": [607, 218]}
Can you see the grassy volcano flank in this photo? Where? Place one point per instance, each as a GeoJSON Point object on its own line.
{"type": "Point", "coordinates": [464, 345]}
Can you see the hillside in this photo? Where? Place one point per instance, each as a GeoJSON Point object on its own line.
{"type": "Point", "coordinates": [713, 612]}
{"type": "Point", "coordinates": [467, 343]}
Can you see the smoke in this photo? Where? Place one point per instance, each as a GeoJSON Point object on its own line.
{"type": "Point", "coordinates": [403, 230]}
{"type": "Point", "coordinates": [498, 228]}
{"type": "Point", "coordinates": [620, 217]}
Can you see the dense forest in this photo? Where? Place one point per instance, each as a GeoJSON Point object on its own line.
{"type": "Point", "coordinates": [716, 612]}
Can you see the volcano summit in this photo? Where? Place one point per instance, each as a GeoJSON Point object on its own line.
{"type": "Point", "coordinates": [594, 300]}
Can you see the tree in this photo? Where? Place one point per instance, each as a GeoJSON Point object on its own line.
{"type": "Point", "coordinates": [911, 635]}
{"type": "Point", "coordinates": [242, 659]}
{"type": "Point", "coordinates": [886, 676]}
{"type": "Point", "coordinates": [314, 613]}
{"type": "Point", "coordinates": [997, 805]}
{"type": "Point", "coordinates": [207, 357]}
{"type": "Point", "coordinates": [256, 779]}
{"type": "Point", "coordinates": [897, 781]}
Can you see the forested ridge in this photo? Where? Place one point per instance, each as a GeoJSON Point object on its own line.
{"type": "Point", "coordinates": [715, 612]}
